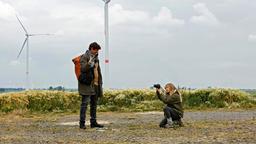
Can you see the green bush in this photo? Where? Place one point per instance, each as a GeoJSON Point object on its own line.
{"type": "Point", "coordinates": [44, 101]}
{"type": "Point", "coordinates": [228, 95]}
{"type": "Point", "coordinates": [123, 100]}
{"type": "Point", "coordinates": [216, 98]}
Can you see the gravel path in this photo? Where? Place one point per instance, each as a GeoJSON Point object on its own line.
{"type": "Point", "coordinates": [200, 127]}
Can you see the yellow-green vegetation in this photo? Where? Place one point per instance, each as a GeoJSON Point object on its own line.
{"type": "Point", "coordinates": [130, 100]}
{"type": "Point", "coordinates": [123, 100]}
{"type": "Point", "coordinates": [39, 101]}
{"type": "Point", "coordinates": [218, 98]}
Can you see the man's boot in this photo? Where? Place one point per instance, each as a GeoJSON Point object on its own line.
{"type": "Point", "coordinates": [96, 125]}
{"type": "Point", "coordinates": [82, 125]}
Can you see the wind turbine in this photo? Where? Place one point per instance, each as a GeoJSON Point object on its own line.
{"type": "Point", "coordinates": [107, 83]}
{"type": "Point", "coordinates": [26, 42]}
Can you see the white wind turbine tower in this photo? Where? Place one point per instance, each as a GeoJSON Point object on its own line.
{"type": "Point", "coordinates": [107, 82]}
{"type": "Point", "coordinates": [26, 41]}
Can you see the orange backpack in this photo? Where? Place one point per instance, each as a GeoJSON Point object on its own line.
{"type": "Point", "coordinates": [76, 61]}
{"type": "Point", "coordinates": [85, 77]}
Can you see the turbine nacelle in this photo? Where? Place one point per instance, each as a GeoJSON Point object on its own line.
{"type": "Point", "coordinates": [106, 1]}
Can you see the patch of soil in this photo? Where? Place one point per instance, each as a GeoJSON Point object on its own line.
{"type": "Point", "coordinates": [200, 127]}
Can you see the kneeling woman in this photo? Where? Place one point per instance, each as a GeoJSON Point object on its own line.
{"type": "Point", "coordinates": [173, 111]}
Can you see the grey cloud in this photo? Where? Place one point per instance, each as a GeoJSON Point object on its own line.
{"type": "Point", "coordinates": [205, 17]}
{"type": "Point", "coordinates": [142, 51]}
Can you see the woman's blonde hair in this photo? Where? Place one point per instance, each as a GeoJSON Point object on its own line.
{"type": "Point", "coordinates": [174, 89]}
{"type": "Point", "coordinates": [171, 86]}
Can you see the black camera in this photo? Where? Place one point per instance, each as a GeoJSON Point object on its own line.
{"type": "Point", "coordinates": [158, 86]}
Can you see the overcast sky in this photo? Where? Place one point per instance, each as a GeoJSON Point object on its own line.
{"type": "Point", "coordinates": [192, 43]}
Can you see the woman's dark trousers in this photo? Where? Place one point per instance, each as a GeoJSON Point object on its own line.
{"type": "Point", "coordinates": [169, 113]}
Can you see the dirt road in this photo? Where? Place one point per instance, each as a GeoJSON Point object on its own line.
{"type": "Point", "coordinates": [200, 127]}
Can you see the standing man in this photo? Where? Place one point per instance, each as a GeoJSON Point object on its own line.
{"type": "Point", "coordinates": [90, 88]}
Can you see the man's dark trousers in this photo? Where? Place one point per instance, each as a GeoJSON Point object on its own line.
{"type": "Point", "coordinates": [93, 106]}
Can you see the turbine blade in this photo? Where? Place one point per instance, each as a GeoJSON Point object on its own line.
{"type": "Point", "coordinates": [22, 25]}
{"type": "Point", "coordinates": [40, 34]}
{"type": "Point", "coordinates": [22, 47]}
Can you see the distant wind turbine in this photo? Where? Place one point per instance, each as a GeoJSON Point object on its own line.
{"type": "Point", "coordinates": [26, 41]}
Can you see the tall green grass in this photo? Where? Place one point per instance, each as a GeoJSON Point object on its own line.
{"type": "Point", "coordinates": [43, 101]}
{"type": "Point", "coordinates": [218, 98]}
{"type": "Point", "coordinates": [123, 100]}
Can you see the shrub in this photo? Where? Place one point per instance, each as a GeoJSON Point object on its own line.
{"type": "Point", "coordinates": [225, 97]}
{"type": "Point", "coordinates": [123, 100]}
{"type": "Point", "coordinates": [44, 101]}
